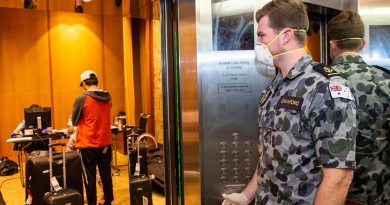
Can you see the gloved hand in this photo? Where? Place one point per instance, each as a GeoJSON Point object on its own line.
{"type": "Point", "coordinates": [45, 131]}
{"type": "Point", "coordinates": [235, 199]}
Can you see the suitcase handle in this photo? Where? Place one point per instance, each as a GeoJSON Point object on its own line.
{"type": "Point", "coordinates": [56, 144]}
{"type": "Point", "coordinates": [144, 135]}
{"type": "Point", "coordinates": [51, 145]}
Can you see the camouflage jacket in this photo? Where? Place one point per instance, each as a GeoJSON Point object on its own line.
{"type": "Point", "coordinates": [371, 183]}
{"type": "Point", "coordinates": [303, 126]}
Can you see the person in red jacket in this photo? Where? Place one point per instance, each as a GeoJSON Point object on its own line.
{"type": "Point", "coordinates": [91, 115]}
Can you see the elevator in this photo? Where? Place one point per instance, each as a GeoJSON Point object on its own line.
{"type": "Point", "coordinates": [211, 88]}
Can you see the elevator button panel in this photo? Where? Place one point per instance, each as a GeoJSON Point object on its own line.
{"type": "Point", "coordinates": [235, 161]}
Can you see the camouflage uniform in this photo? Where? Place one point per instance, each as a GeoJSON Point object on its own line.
{"type": "Point", "coordinates": [301, 129]}
{"type": "Point", "coordinates": [371, 183]}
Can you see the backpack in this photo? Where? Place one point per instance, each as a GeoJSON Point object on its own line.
{"type": "Point", "coordinates": [7, 167]}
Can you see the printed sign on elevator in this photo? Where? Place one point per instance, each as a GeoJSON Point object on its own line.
{"type": "Point", "coordinates": [234, 88]}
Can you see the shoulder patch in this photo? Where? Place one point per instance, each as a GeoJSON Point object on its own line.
{"type": "Point", "coordinates": [339, 90]}
{"type": "Point", "coordinates": [325, 70]}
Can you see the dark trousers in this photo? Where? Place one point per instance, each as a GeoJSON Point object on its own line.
{"type": "Point", "coordinates": [100, 157]}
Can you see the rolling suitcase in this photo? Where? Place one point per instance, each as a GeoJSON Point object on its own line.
{"type": "Point", "coordinates": [58, 195]}
{"type": "Point", "coordinates": [143, 161]}
{"type": "Point", "coordinates": [37, 174]}
{"type": "Point", "coordinates": [140, 185]}
{"type": "Point", "coordinates": [140, 190]}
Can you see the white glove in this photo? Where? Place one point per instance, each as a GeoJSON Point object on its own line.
{"type": "Point", "coordinates": [235, 199]}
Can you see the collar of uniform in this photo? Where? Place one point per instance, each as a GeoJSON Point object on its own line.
{"type": "Point", "coordinates": [277, 79]}
{"type": "Point", "coordinates": [299, 67]}
{"type": "Point", "coordinates": [347, 59]}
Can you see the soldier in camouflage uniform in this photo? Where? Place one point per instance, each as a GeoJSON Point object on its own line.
{"type": "Point", "coordinates": [307, 120]}
{"type": "Point", "coordinates": [371, 182]}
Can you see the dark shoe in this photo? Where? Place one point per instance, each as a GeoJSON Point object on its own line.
{"type": "Point", "coordinates": [78, 9]}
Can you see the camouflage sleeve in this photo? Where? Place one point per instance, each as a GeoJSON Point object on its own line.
{"type": "Point", "coordinates": [383, 82]}
{"type": "Point", "coordinates": [332, 120]}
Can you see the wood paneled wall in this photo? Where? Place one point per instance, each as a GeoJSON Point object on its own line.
{"type": "Point", "coordinates": [43, 52]}
{"type": "Point", "coordinates": [146, 63]}
{"type": "Point", "coordinates": [42, 55]}
{"type": "Point", "coordinates": [157, 85]}
{"type": "Point", "coordinates": [96, 7]}
{"type": "Point", "coordinates": [24, 68]}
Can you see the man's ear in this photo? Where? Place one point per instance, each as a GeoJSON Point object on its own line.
{"type": "Point", "coordinates": [332, 44]}
{"type": "Point", "coordinates": [364, 42]}
{"type": "Point", "coordinates": [333, 49]}
{"type": "Point", "coordinates": [287, 36]}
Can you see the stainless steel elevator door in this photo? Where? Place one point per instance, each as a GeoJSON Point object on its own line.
{"type": "Point", "coordinates": [229, 86]}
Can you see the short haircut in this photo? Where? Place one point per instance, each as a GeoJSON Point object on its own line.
{"type": "Point", "coordinates": [92, 80]}
{"type": "Point", "coordinates": [286, 13]}
{"type": "Point", "coordinates": [347, 24]}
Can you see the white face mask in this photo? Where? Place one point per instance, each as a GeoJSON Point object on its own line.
{"type": "Point", "coordinates": [263, 54]}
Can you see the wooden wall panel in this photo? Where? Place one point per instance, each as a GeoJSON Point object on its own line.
{"type": "Point", "coordinates": [20, 4]}
{"type": "Point", "coordinates": [157, 85]}
{"type": "Point", "coordinates": [76, 45]}
{"type": "Point", "coordinates": [41, 57]}
{"type": "Point", "coordinates": [128, 69]}
{"type": "Point", "coordinates": [136, 32]}
{"type": "Point", "coordinates": [126, 8]}
{"type": "Point", "coordinates": [24, 68]}
{"type": "Point", "coordinates": [113, 62]}
{"type": "Point", "coordinates": [110, 9]}
{"type": "Point", "coordinates": [156, 11]}
{"type": "Point", "coordinates": [146, 71]}
{"type": "Point", "coordinates": [105, 7]}
{"type": "Point", "coordinates": [93, 7]}
{"type": "Point", "coordinates": [313, 46]}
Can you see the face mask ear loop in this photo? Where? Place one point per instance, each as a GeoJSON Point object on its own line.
{"type": "Point", "coordinates": [297, 49]}
{"type": "Point", "coordinates": [345, 39]}
{"type": "Point", "coordinates": [299, 30]}
{"type": "Point", "coordinates": [269, 43]}
{"type": "Point", "coordinates": [280, 33]}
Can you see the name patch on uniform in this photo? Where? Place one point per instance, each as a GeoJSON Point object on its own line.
{"type": "Point", "coordinates": [326, 71]}
{"type": "Point", "coordinates": [338, 90]}
{"type": "Point", "coordinates": [291, 103]}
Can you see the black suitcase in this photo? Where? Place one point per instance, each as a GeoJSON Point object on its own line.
{"type": "Point", "coordinates": [37, 174]}
{"type": "Point", "coordinates": [58, 195]}
{"type": "Point", "coordinates": [140, 190]}
{"type": "Point", "coordinates": [63, 197]}
{"type": "Point", "coordinates": [143, 161]}
{"type": "Point", "coordinates": [140, 184]}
